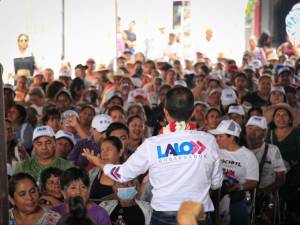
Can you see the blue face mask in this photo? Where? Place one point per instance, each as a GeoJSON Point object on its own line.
{"type": "Point", "coordinates": [126, 194]}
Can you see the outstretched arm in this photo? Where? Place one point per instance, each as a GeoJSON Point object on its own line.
{"type": "Point", "coordinates": [138, 163]}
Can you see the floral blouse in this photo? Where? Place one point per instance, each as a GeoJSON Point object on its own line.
{"type": "Point", "coordinates": [49, 218]}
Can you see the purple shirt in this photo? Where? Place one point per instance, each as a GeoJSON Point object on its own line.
{"type": "Point", "coordinates": [95, 213]}
{"type": "Point", "coordinates": [75, 154]}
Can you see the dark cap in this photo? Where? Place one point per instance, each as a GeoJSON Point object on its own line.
{"type": "Point", "coordinates": [80, 66]}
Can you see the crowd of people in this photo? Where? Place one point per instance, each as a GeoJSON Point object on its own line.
{"type": "Point", "coordinates": [127, 146]}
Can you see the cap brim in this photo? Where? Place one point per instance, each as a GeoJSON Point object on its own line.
{"type": "Point", "coordinates": [215, 132]}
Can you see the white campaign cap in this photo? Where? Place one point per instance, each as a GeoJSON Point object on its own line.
{"type": "Point", "coordinates": [258, 121]}
{"type": "Point", "coordinates": [65, 134]}
{"type": "Point", "coordinates": [279, 89]}
{"type": "Point", "coordinates": [42, 131]}
{"type": "Point", "coordinates": [65, 116]}
{"type": "Point", "coordinates": [227, 127]}
{"type": "Point", "coordinates": [238, 109]}
{"type": "Point", "coordinates": [101, 122]}
{"type": "Point", "coordinates": [180, 83]}
{"type": "Point", "coordinates": [228, 96]}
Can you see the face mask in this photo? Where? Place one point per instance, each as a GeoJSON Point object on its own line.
{"type": "Point", "coordinates": [127, 194]}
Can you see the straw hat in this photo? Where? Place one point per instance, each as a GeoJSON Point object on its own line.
{"type": "Point", "coordinates": [22, 73]}
{"type": "Point", "coordinates": [269, 112]}
{"type": "Point", "coordinates": [101, 68]}
{"type": "Point", "coordinates": [117, 73]}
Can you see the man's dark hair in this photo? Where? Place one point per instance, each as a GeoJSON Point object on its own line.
{"type": "Point", "coordinates": [179, 103]}
{"type": "Point", "coordinates": [74, 174]}
{"type": "Point", "coordinates": [117, 108]}
{"type": "Point", "coordinates": [116, 126]}
{"type": "Point", "coordinates": [50, 113]}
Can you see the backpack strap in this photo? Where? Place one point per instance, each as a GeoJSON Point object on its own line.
{"type": "Point", "coordinates": [263, 160]}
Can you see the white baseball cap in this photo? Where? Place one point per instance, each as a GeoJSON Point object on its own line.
{"type": "Point", "coordinates": [258, 121]}
{"type": "Point", "coordinates": [238, 109]}
{"type": "Point", "coordinates": [180, 83]}
{"type": "Point", "coordinates": [65, 134]}
{"type": "Point", "coordinates": [42, 131]}
{"type": "Point", "coordinates": [227, 127]}
{"type": "Point", "coordinates": [228, 96]}
{"type": "Point", "coordinates": [215, 90]}
{"type": "Point", "coordinates": [279, 89]}
{"type": "Point", "coordinates": [101, 122]}
{"type": "Point", "coordinates": [65, 116]}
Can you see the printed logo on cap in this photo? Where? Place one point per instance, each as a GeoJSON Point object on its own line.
{"type": "Point", "coordinates": [231, 127]}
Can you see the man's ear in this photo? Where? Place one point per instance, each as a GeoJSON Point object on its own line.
{"type": "Point", "coordinates": [167, 115]}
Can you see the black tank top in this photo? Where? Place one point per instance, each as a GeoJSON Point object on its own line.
{"type": "Point", "coordinates": [99, 191]}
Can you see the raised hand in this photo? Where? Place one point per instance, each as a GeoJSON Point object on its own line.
{"type": "Point", "coordinates": [91, 157]}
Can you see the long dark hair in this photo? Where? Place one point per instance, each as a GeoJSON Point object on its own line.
{"type": "Point", "coordinates": [77, 214]}
{"type": "Point", "coordinates": [75, 85]}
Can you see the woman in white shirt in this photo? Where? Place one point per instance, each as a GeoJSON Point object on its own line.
{"type": "Point", "coordinates": [240, 168]}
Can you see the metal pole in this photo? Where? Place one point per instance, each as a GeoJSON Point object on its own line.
{"type": "Point", "coordinates": [3, 161]}
{"type": "Point", "coordinates": [63, 30]}
{"type": "Point", "coordinates": [116, 13]}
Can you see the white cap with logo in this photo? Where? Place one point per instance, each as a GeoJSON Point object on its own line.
{"type": "Point", "coordinates": [101, 122]}
{"type": "Point", "coordinates": [228, 96]}
{"type": "Point", "coordinates": [258, 121]}
{"type": "Point", "coordinates": [42, 131]}
{"type": "Point", "coordinates": [65, 134]}
{"type": "Point", "coordinates": [238, 109]}
{"type": "Point", "coordinates": [227, 127]}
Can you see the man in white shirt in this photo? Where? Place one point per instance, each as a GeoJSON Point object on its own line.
{"type": "Point", "coordinates": [172, 50]}
{"type": "Point", "coordinates": [183, 164]}
{"type": "Point", "coordinates": [273, 172]}
{"type": "Point", "coordinates": [272, 176]}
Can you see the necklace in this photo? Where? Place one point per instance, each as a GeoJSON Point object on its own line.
{"type": "Point", "coordinates": [176, 126]}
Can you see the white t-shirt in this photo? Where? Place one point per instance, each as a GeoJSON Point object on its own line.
{"type": "Point", "coordinates": [272, 165]}
{"type": "Point", "coordinates": [241, 164]}
{"type": "Point", "coordinates": [173, 49]}
{"type": "Point", "coordinates": [182, 166]}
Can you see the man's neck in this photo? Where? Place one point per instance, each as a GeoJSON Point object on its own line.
{"type": "Point", "coordinates": [254, 145]}
{"type": "Point", "coordinates": [233, 147]}
{"type": "Point", "coordinates": [127, 203]}
{"type": "Point", "coordinates": [45, 161]}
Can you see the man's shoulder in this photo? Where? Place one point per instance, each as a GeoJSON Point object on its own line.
{"type": "Point", "coordinates": [25, 164]}
{"type": "Point", "coordinates": [182, 135]}
{"type": "Point", "coordinates": [62, 163]}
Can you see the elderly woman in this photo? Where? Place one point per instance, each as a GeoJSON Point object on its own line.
{"type": "Point", "coordinates": [76, 182]}
{"type": "Point", "coordinates": [24, 195]}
